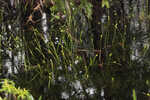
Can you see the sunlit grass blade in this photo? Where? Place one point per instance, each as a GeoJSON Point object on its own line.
{"type": "Point", "coordinates": [134, 94]}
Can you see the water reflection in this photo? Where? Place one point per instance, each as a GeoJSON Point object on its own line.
{"type": "Point", "coordinates": [65, 95]}
{"type": "Point", "coordinates": [45, 27]}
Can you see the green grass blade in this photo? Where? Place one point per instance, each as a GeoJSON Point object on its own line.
{"type": "Point", "coordinates": [134, 94]}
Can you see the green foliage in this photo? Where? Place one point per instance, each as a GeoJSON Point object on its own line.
{"type": "Point", "coordinates": [8, 87]}
{"type": "Point", "coordinates": [59, 5]}
{"type": "Point", "coordinates": [105, 3]}
{"type": "Point", "coordinates": [134, 95]}
{"type": "Point", "coordinates": [88, 8]}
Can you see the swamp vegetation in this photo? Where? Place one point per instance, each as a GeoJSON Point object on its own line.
{"type": "Point", "coordinates": [75, 50]}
